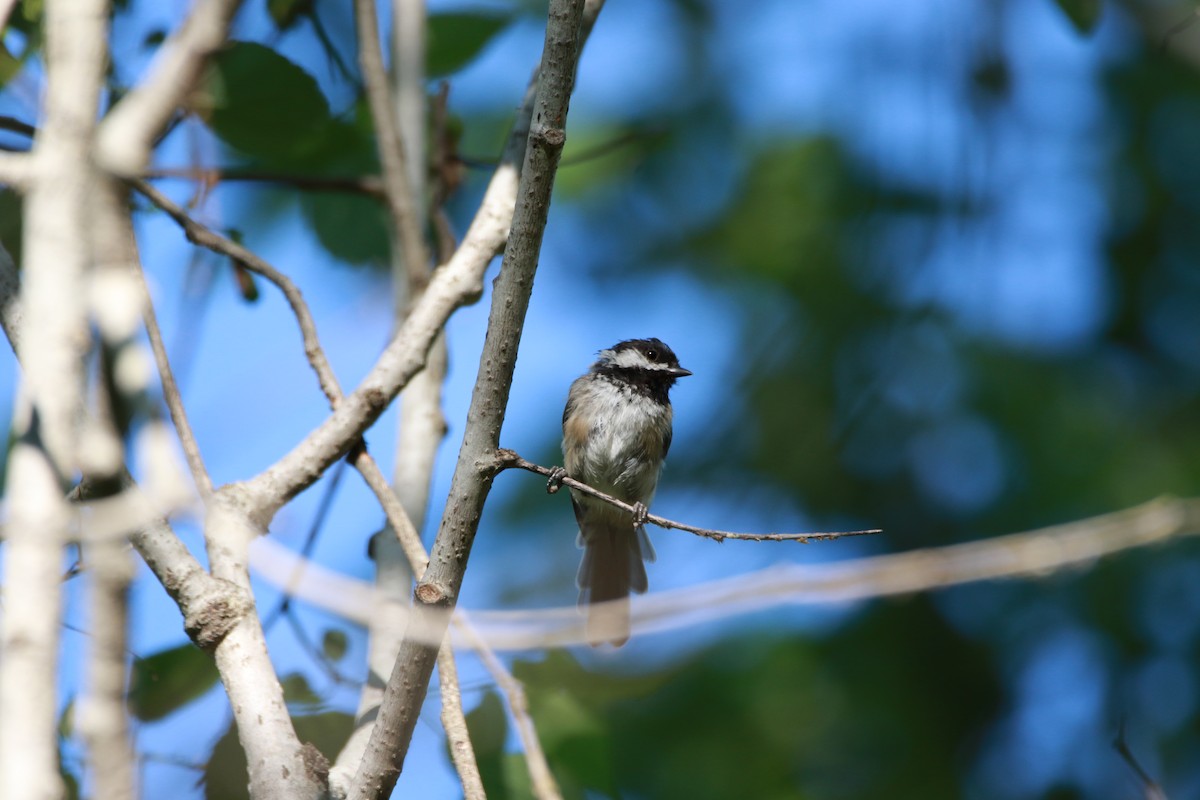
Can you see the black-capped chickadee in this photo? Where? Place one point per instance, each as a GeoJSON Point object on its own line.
{"type": "Point", "coordinates": [616, 433]}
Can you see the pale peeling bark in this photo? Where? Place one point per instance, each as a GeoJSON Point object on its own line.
{"type": "Point", "coordinates": [50, 407]}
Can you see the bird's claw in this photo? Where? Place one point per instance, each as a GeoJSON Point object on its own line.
{"type": "Point", "coordinates": [556, 478]}
{"type": "Point", "coordinates": [640, 512]}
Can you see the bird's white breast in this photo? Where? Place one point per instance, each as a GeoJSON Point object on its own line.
{"type": "Point", "coordinates": [622, 451]}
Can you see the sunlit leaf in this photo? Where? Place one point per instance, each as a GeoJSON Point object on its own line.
{"type": "Point", "coordinates": [168, 680]}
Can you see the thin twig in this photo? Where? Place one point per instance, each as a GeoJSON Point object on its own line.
{"type": "Point", "coordinates": [206, 237]}
{"type": "Point", "coordinates": [170, 388]}
{"type": "Point", "coordinates": [1150, 788]}
{"type": "Point", "coordinates": [393, 509]}
{"type": "Point", "coordinates": [507, 459]}
{"type": "Point", "coordinates": [310, 541]}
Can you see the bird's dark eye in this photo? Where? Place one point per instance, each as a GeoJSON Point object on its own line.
{"type": "Point", "coordinates": [652, 354]}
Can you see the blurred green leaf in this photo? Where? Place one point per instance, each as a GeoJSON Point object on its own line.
{"type": "Point", "coordinates": [488, 727]}
{"type": "Point", "coordinates": [10, 65]}
{"type": "Point", "coordinates": [352, 228]}
{"type": "Point", "coordinates": [456, 38]}
{"type": "Point", "coordinates": [1083, 14]}
{"type": "Point", "coordinates": [168, 680]}
{"type": "Point", "coordinates": [262, 104]}
{"type": "Point", "coordinates": [571, 708]}
{"type": "Point", "coordinates": [28, 16]}
{"type": "Point", "coordinates": [334, 644]}
{"type": "Point", "coordinates": [297, 691]}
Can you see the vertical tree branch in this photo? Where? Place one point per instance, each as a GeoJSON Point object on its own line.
{"type": "Point", "coordinates": [439, 587]}
{"type": "Point", "coordinates": [407, 107]}
{"type": "Point", "coordinates": [102, 714]}
{"type": "Point", "coordinates": [55, 339]}
{"type": "Point", "coordinates": [402, 202]}
{"type": "Point", "coordinates": [36, 531]}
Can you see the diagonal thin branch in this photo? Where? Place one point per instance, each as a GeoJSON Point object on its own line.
{"type": "Point", "coordinates": [206, 237]}
{"type": "Point", "coordinates": [1150, 788]}
{"type": "Point", "coordinates": [170, 388]}
{"type": "Point", "coordinates": [508, 459]}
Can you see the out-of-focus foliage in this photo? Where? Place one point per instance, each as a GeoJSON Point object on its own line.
{"type": "Point", "coordinates": [455, 39]}
{"type": "Point", "coordinates": [262, 104]}
{"type": "Point", "coordinates": [166, 681]}
{"type": "Point", "coordinates": [788, 717]}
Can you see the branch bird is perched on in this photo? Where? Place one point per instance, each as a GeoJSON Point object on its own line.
{"type": "Point", "coordinates": [616, 434]}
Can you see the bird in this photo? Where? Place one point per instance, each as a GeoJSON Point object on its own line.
{"type": "Point", "coordinates": [616, 435]}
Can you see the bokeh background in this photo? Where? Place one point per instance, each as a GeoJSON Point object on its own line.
{"type": "Point", "coordinates": [934, 266]}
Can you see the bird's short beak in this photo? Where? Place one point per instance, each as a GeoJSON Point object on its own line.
{"type": "Point", "coordinates": [680, 372]}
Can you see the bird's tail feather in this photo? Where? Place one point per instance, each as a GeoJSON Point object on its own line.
{"type": "Point", "coordinates": [611, 568]}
